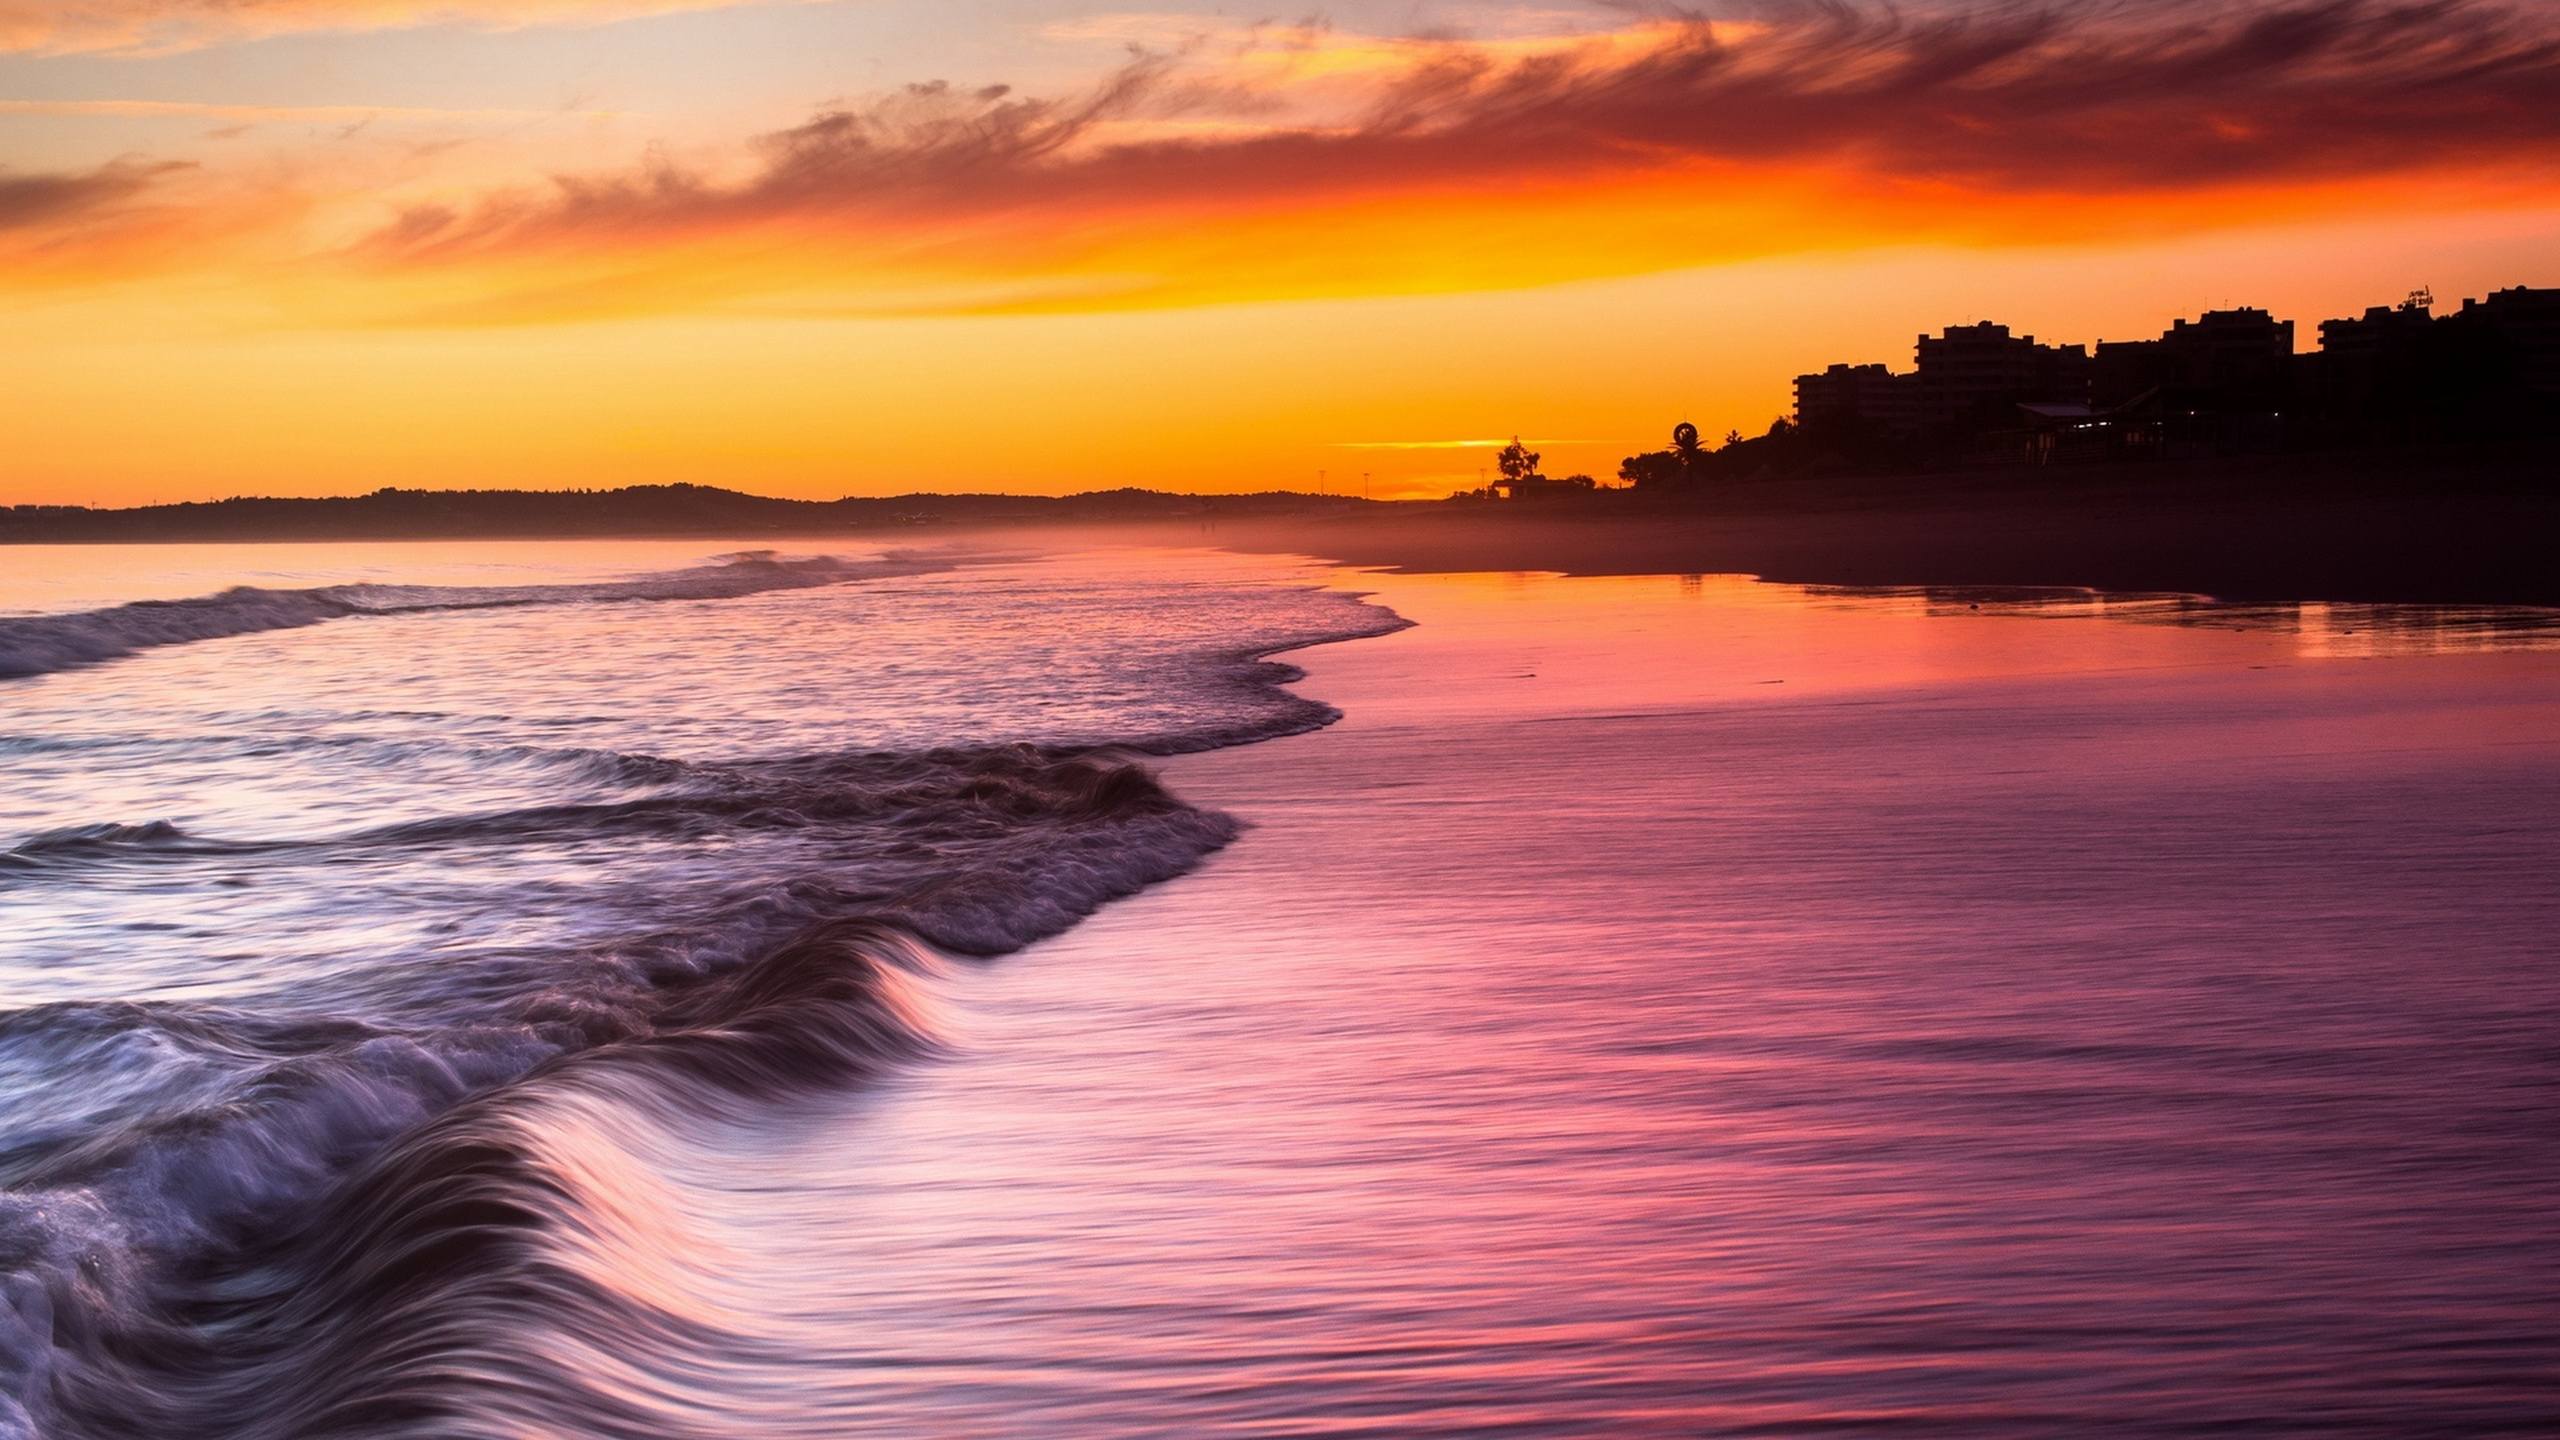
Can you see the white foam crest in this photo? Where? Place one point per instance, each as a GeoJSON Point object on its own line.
{"type": "Point", "coordinates": [43, 644]}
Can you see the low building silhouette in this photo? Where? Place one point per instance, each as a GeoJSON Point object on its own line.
{"type": "Point", "coordinates": [2365, 358]}
{"type": "Point", "coordinates": [2228, 381]}
{"type": "Point", "coordinates": [1541, 487]}
{"type": "Point", "coordinates": [2523, 323]}
{"type": "Point", "coordinates": [1971, 377]}
{"type": "Point", "coordinates": [2071, 432]}
{"type": "Point", "coordinates": [1845, 397]}
{"type": "Point", "coordinates": [2223, 359]}
{"type": "Point", "coordinates": [1963, 380]}
{"type": "Point", "coordinates": [2402, 373]}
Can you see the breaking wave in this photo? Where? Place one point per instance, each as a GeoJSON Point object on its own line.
{"type": "Point", "coordinates": [294, 1213]}
{"type": "Point", "coordinates": [43, 644]}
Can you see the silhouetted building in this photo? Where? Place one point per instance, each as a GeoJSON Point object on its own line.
{"type": "Point", "coordinates": [2070, 432]}
{"type": "Point", "coordinates": [2524, 323]}
{"type": "Point", "coordinates": [2363, 358]}
{"type": "Point", "coordinates": [1540, 487]}
{"type": "Point", "coordinates": [1971, 376]}
{"type": "Point", "coordinates": [2379, 329]}
{"type": "Point", "coordinates": [1850, 396]}
{"type": "Point", "coordinates": [2122, 369]}
{"type": "Point", "coordinates": [2227, 382]}
{"type": "Point", "coordinates": [2224, 360]}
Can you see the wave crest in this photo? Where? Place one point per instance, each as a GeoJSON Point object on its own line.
{"type": "Point", "coordinates": [772, 985]}
{"type": "Point", "coordinates": [43, 644]}
{"type": "Point", "coordinates": [270, 1217]}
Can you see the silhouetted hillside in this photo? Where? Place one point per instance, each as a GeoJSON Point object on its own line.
{"type": "Point", "coordinates": [638, 510]}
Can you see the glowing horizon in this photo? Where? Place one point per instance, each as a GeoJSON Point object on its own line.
{"type": "Point", "coordinates": [824, 248]}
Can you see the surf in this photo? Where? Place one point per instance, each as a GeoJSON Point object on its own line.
{"type": "Point", "coordinates": [44, 644]}
{"type": "Point", "coordinates": [217, 1210]}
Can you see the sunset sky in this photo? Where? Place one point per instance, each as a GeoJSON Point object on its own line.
{"type": "Point", "coordinates": [869, 246]}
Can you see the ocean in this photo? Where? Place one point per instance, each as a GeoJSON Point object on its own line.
{"type": "Point", "coordinates": [667, 989]}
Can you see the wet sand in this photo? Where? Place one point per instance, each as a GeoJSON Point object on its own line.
{"type": "Point", "coordinates": [1692, 1007]}
{"type": "Point", "coordinates": [2269, 529]}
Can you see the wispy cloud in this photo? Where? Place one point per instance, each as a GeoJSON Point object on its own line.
{"type": "Point", "coordinates": [69, 201]}
{"type": "Point", "coordinates": [160, 26]}
{"type": "Point", "coordinates": [1841, 106]}
{"type": "Point", "coordinates": [1217, 174]}
{"type": "Point", "coordinates": [317, 114]}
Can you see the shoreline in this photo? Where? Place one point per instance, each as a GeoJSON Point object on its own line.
{"type": "Point", "coordinates": [1613, 940]}
{"type": "Point", "coordinates": [2222, 533]}
{"type": "Point", "coordinates": [2446, 528]}
{"type": "Point", "coordinates": [1385, 1088]}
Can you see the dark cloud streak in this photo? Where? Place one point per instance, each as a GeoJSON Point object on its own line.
{"type": "Point", "coordinates": [2123, 100]}
{"type": "Point", "coordinates": [57, 200]}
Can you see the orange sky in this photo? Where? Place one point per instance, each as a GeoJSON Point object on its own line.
{"type": "Point", "coordinates": [297, 248]}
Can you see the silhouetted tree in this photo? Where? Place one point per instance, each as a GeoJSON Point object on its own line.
{"type": "Point", "coordinates": [1517, 462]}
{"type": "Point", "coordinates": [1653, 469]}
{"type": "Point", "coordinates": [1732, 438]}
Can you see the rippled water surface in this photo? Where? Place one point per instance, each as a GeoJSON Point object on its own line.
{"type": "Point", "coordinates": [1659, 1006]}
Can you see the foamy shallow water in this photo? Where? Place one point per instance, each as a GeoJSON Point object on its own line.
{"type": "Point", "coordinates": [1658, 1007]}
{"type": "Point", "coordinates": [292, 875]}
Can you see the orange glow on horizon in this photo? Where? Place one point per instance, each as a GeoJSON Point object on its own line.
{"type": "Point", "coordinates": [1354, 239]}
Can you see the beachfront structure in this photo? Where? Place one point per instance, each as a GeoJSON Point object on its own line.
{"type": "Point", "coordinates": [1849, 396]}
{"type": "Point", "coordinates": [1540, 487]}
{"type": "Point", "coordinates": [2223, 359]}
{"type": "Point", "coordinates": [1971, 375]}
{"type": "Point", "coordinates": [2362, 357]}
{"type": "Point", "coordinates": [2074, 431]}
{"type": "Point", "coordinates": [2228, 380]}
{"type": "Point", "coordinates": [2524, 324]}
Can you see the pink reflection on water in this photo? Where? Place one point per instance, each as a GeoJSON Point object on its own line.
{"type": "Point", "coordinates": [1676, 1008]}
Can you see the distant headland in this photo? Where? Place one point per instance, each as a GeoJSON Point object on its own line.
{"type": "Point", "coordinates": [2445, 524]}
{"type": "Point", "coordinates": [637, 510]}
{"type": "Point", "coordinates": [2412, 457]}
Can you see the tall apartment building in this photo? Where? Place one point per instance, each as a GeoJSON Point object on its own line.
{"type": "Point", "coordinates": [1972, 376]}
{"type": "Point", "coordinates": [2229, 359]}
{"type": "Point", "coordinates": [2525, 324]}
{"type": "Point", "coordinates": [1846, 396]}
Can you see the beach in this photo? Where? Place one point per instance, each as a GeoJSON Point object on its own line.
{"type": "Point", "coordinates": [2409, 527]}
{"type": "Point", "coordinates": [1649, 1004]}
{"type": "Point", "coordinates": [2447, 525]}
{"type": "Point", "coordinates": [822, 719]}
{"type": "Point", "coordinates": [1601, 1032]}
